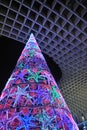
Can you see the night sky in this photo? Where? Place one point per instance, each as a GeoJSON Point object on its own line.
{"type": "Point", "coordinates": [10, 51]}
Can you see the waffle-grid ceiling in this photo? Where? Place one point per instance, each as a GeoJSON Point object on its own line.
{"type": "Point", "coordinates": [60, 27]}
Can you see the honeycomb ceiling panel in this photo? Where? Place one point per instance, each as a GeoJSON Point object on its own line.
{"type": "Point", "coordinates": [60, 27]}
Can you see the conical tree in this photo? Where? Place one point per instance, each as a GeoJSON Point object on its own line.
{"type": "Point", "coordinates": [31, 99]}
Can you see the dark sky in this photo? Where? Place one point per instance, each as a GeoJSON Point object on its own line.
{"type": "Point", "coordinates": [10, 51]}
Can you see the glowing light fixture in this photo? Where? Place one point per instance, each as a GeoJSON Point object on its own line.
{"type": "Point", "coordinates": [31, 99]}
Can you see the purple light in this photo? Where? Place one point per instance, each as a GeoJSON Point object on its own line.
{"type": "Point", "coordinates": [31, 99]}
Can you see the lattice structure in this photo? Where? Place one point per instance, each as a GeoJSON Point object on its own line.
{"type": "Point", "coordinates": [60, 27]}
{"type": "Point", "coordinates": [31, 99]}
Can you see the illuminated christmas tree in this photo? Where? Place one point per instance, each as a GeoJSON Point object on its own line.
{"type": "Point", "coordinates": [31, 99]}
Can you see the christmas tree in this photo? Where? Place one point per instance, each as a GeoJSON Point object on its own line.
{"type": "Point", "coordinates": [31, 99]}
